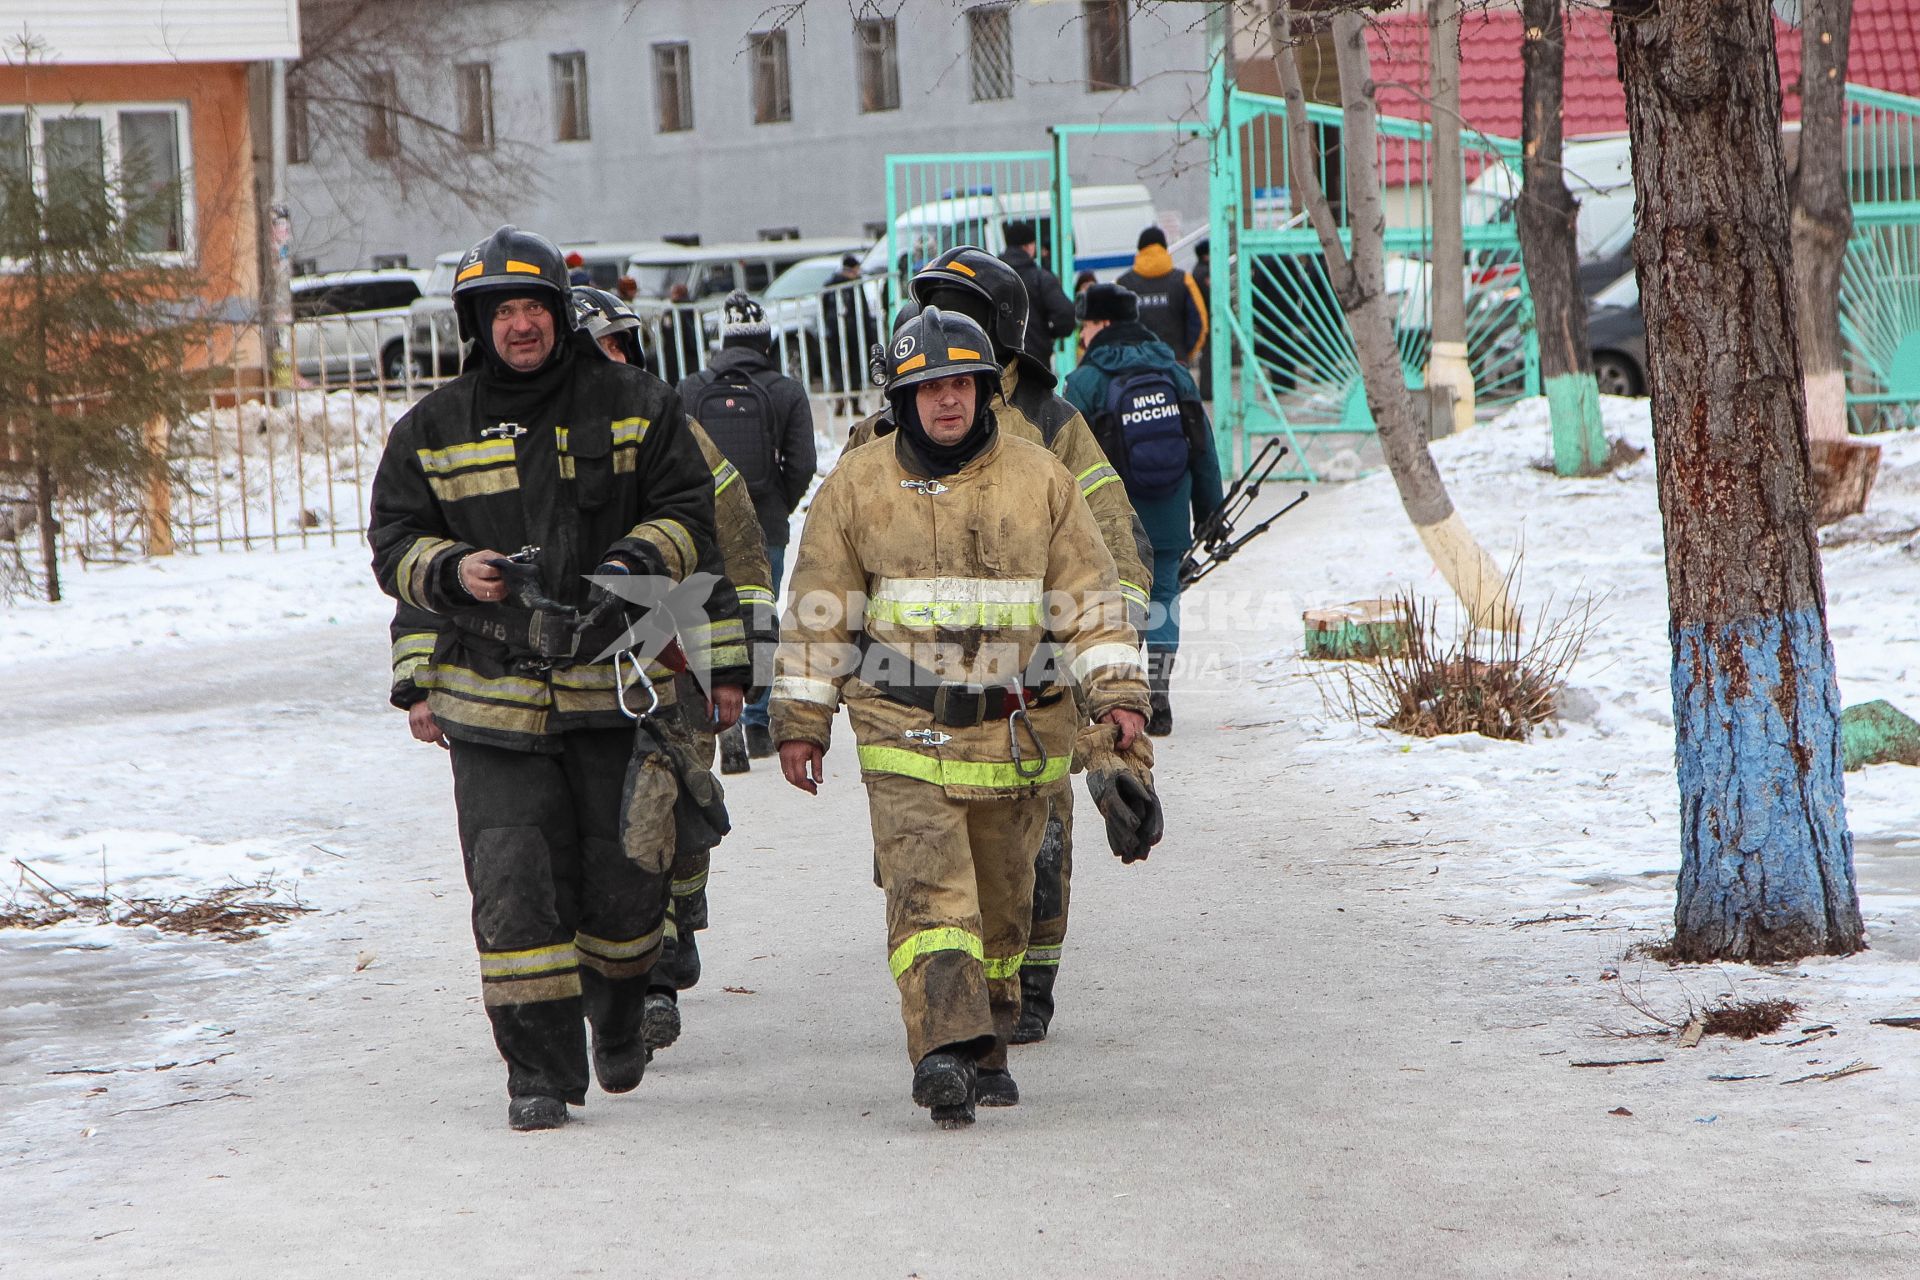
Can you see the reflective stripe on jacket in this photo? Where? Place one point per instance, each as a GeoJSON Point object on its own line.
{"type": "Point", "coordinates": [967, 576]}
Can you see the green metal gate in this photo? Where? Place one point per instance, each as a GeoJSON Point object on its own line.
{"type": "Point", "coordinates": [1298, 374]}
{"type": "Point", "coordinates": [1880, 278]}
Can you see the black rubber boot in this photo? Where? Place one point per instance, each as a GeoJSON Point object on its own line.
{"type": "Point", "coordinates": [733, 752]}
{"type": "Point", "coordinates": [620, 1067]}
{"type": "Point", "coordinates": [1159, 676]}
{"type": "Point", "coordinates": [535, 1111]}
{"type": "Point", "coordinates": [679, 966]}
{"type": "Point", "coordinates": [994, 1087]}
{"type": "Point", "coordinates": [943, 1082]}
{"type": "Point", "coordinates": [1036, 1004]}
{"type": "Point", "coordinates": [760, 742]}
{"type": "Point", "coordinates": [661, 1022]}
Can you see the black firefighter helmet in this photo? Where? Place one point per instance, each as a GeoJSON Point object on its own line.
{"type": "Point", "coordinates": [975, 271]}
{"type": "Point", "coordinates": [938, 344]}
{"type": "Point", "coordinates": [511, 259]}
{"type": "Point", "coordinates": [604, 315]}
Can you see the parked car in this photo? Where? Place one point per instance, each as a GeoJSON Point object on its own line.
{"type": "Point", "coordinates": [351, 326]}
{"type": "Point", "coordinates": [711, 272]}
{"type": "Point", "coordinates": [792, 303]}
{"type": "Point", "coordinates": [1617, 336]}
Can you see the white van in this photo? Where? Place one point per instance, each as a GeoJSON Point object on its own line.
{"type": "Point", "coordinates": [1599, 173]}
{"type": "Point", "coordinates": [1107, 222]}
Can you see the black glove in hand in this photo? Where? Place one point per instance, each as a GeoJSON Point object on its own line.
{"type": "Point", "coordinates": [1131, 809]}
{"type": "Point", "coordinates": [524, 587]}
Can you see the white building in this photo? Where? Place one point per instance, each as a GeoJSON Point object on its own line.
{"type": "Point", "coordinates": [606, 120]}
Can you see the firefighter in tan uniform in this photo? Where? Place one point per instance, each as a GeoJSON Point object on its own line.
{"type": "Point", "coordinates": [743, 549]}
{"type": "Point", "coordinates": [977, 284]}
{"type": "Point", "coordinates": [932, 568]}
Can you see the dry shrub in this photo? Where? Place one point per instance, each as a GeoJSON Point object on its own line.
{"type": "Point", "coordinates": [1495, 683]}
{"type": "Point", "coordinates": [1745, 1019]}
{"type": "Point", "coordinates": [233, 913]}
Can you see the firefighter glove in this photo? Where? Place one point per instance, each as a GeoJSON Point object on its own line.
{"type": "Point", "coordinates": [1121, 784]}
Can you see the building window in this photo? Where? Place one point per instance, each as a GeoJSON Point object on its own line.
{"type": "Point", "coordinates": [673, 87]}
{"type": "Point", "coordinates": [876, 45]}
{"type": "Point", "coordinates": [570, 97]}
{"type": "Point", "coordinates": [476, 105]}
{"type": "Point", "coordinates": [1109, 44]}
{"type": "Point", "coordinates": [772, 89]}
{"type": "Point", "coordinates": [299, 128]}
{"type": "Point", "coordinates": [127, 164]}
{"type": "Point", "coordinates": [383, 115]}
{"type": "Point", "coordinates": [990, 51]}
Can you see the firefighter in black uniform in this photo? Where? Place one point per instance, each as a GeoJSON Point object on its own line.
{"type": "Point", "coordinates": [567, 832]}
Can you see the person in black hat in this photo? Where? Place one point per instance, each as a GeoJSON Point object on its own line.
{"type": "Point", "coordinates": [1147, 416]}
{"type": "Point", "coordinates": [566, 824]}
{"type": "Point", "coordinates": [1170, 302]}
{"type": "Point", "coordinates": [1049, 311]}
{"type": "Point", "coordinates": [762, 421]}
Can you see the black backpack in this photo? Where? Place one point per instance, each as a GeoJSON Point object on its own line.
{"type": "Point", "coordinates": [738, 415]}
{"type": "Point", "coordinates": [1144, 432]}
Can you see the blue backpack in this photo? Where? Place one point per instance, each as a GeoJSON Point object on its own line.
{"type": "Point", "coordinates": [1144, 433]}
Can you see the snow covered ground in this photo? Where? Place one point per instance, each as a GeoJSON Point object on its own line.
{"type": "Point", "coordinates": [1589, 809]}
{"type": "Point", "coordinates": [1325, 1030]}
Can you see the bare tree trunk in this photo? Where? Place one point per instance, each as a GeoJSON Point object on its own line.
{"type": "Point", "coordinates": [1447, 364]}
{"type": "Point", "coordinates": [1359, 282]}
{"type": "Point", "coordinates": [1766, 870]}
{"type": "Point", "coordinates": [1547, 219]}
{"type": "Point", "coordinates": [1822, 212]}
{"type": "Point", "coordinates": [49, 542]}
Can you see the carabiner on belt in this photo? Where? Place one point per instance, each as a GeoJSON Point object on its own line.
{"type": "Point", "coordinates": [640, 676]}
{"type": "Point", "coordinates": [1017, 721]}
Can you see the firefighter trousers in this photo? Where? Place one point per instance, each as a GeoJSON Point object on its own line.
{"type": "Point", "coordinates": [687, 879]}
{"type": "Point", "coordinates": [567, 921]}
{"type": "Point", "coordinates": [959, 881]}
{"type": "Point", "coordinates": [1052, 878]}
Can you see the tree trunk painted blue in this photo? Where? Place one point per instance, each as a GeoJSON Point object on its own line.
{"type": "Point", "coordinates": [1766, 865]}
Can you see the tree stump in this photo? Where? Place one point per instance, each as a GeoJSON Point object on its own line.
{"type": "Point", "coordinates": [1843, 476]}
{"type": "Point", "coordinates": [1364, 629]}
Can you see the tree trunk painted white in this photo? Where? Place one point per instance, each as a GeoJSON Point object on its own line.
{"type": "Point", "coordinates": [1822, 211]}
{"type": "Point", "coordinates": [1447, 362]}
{"type": "Point", "coordinates": [1359, 282]}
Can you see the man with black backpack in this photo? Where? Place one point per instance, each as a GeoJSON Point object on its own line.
{"type": "Point", "coordinates": [1147, 416]}
{"type": "Point", "coordinates": [762, 422]}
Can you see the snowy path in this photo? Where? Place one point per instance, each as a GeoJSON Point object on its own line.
{"type": "Point", "coordinates": [1303, 1039]}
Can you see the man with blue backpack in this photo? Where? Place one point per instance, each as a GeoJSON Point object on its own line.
{"type": "Point", "coordinates": [1146, 415]}
{"type": "Point", "coordinates": [761, 420]}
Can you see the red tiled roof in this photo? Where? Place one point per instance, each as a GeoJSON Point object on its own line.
{"type": "Point", "coordinates": [1884, 52]}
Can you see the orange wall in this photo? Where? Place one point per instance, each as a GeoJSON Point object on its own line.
{"type": "Point", "coordinates": [216, 98]}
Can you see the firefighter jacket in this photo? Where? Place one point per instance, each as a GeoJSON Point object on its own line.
{"type": "Point", "coordinates": [599, 464]}
{"type": "Point", "coordinates": [1028, 410]}
{"type": "Point", "coordinates": [742, 550]}
{"type": "Point", "coordinates": [968, 575]}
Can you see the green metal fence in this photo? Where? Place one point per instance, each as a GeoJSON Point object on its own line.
{"type": "Point", "coordinates": [1298, 374]}
{"type": "Point", "coordinates": [1880, 278]}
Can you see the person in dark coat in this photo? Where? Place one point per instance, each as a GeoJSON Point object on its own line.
{"type": "Point", "coordinates": [1050, 312]}
{"type": "Point", "coordinates": [567, 823]}
{"type": "Point", "coordinates": [761, 420]}
{"type": "Point", "coordinates": [1118, 346]}
{"type": "Point", "coordinates": [1171, 305]}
